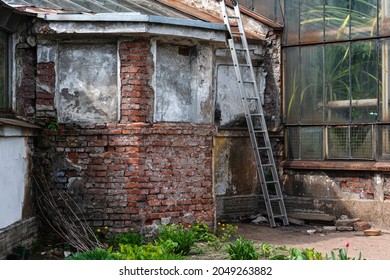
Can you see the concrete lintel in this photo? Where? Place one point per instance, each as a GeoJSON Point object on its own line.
{"type": "Point", "coordinates": [133, 17]}
{"type": "Point", "coordinates": [75, 28]}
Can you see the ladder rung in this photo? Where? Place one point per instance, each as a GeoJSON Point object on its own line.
{"type": "Point", "coordinates": [257, 115]}
{"type": "Point", "coordinates": [264, 148]}
{"type": "Point", "coordinates": [259, 131]}
{"type": "Point", "coordinates": [279, 216]}
{"type": "Point", "coordinates": [240, 33]}
{"type": "Point", "coordinates": [271, 182]}
{"type": "Point", "coordinates": [267, 165]}
{"type": "Point", "coordinates": [252, 98]}
{"type": "Point", "coordinates": [275, 199]}
{"type": "Point", "coordinates": [236, 17]}
{"type": "Point", "coordinates": [248, 82]}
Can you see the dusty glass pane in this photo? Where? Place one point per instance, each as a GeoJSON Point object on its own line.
{"type": "Point", "coordinates": [292, 88]}
{"type": "Point", "coordinates": [337, 20]}
{"type": "Point", "coordinates": [338, 142]}
{"type": "Point", "coordinates": [271, 9]}
{"type": "Point", "coordinates": [384, 141]}
{"type": "Point", "coordinates": [362, 142]}
{"type": "Point", "coordinates": [312, 21]}
{"type": "Point", "coordinates": [291, 27]}
{"type": "Point", "coordinates": [293, 143]}
{"type": "Point", "coordinates": [337, 84]}
{"type": "Point", "coordinates": [312, 143]}
{"type": "Point", "coordinates": [311, 94]}
{"type": "Point", "coordinates": [363, 18]}
{"type": "Point", "coordinates": [364, 81]}
{"type": "Point", "coordinates": [3, 68]}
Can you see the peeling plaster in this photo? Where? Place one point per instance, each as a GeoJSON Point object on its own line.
{"type": "Point", "coordinates": [87, 90]}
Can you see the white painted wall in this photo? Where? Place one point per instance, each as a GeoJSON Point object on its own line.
{"type": "Point", "coordinates": [13, 168]}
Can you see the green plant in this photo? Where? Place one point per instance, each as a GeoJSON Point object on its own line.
{"type": "Point", "coordinates": [183, 238]}
{"type": "Point", "coordinates": [202, 232]}
{"type": "Point", "coordinates": [242, 249]}
{"type": "Point", "coordinates": [53, 125]}
{"type": "Point", "coordinates": [130, 238]}
{"type": "Point", "coordinates": [157, 251]}
{"type": "Point", "coordinates": [304, 254]}
{"type": "Point", "coordinates": [223, 233]}
{"type": "Point", "coordinates": [342, 255]}
{"type": "Point", "coordinates": [96, 254]}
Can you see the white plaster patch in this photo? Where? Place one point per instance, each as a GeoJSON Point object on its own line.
{"type": "Point", "coordinates": [13, 168]}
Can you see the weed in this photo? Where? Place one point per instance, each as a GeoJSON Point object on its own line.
{"type": "Point", "coordinates": [224, 232]}
{"type": "Point", "coordinates": [242, 249]}
{"type": "Point", "coordinates": [183, 238]}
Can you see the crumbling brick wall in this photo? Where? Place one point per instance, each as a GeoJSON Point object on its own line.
{"type": "Point", "coordinates": [132, 173]}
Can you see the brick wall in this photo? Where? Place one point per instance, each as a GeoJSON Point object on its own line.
{"type": "Point", "coordinates": [132, 173]}
{"type": "Point", "coordinates": [23, 233]}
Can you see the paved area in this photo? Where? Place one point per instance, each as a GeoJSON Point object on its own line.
{"type": "Point", "coordinates": [371, 247]}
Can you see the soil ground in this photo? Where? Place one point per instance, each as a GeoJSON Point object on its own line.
{"type": "Point", "coordinates": [371, 247]}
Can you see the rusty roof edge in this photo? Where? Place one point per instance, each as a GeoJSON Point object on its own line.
{"type": "Point", "coordinates": [16, 10]}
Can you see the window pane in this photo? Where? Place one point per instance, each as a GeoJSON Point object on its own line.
{"type": "Point", "coordinates": [364, 81]}
{"type": "Point", "coordinates": [311, 95]}
{"type": "Point", "coordinates": [337, 20]}
{"type": "Point", "coordinates": [291, 27]}
{"type": "Point", "coordinates": [384, 141]}
{"type": "Point", "coordinates": [362, 142]}
{"type": "Point", "coordinates": [293, 143]}
{"type": "Point", "coordinates": [292, 88]}
{"type": "Point", "coordinates": [337, 86]}
{"type": "Point", "coordinates": [312, 21]}
{"type": "Point", "coordinates": [338, 142]}
{"type": "Point", "coordinates": [312, 143]}
{"type": "Point", "coordinates": [3, 70]}
{"type": "Point", "coordinates": [363, 18]}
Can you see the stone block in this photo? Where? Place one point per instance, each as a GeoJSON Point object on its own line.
{"type": "Point", "coordinates": [361, 226]}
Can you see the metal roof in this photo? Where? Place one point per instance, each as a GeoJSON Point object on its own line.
{"type": "Point", "coordinates": [172, 9]}
{"type": "Point", "coordinates": [145, 7]}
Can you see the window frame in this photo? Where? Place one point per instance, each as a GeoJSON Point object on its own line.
{"type": "Point", "coordinates": [377, 128]}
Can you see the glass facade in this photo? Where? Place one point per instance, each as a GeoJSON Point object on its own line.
{"type": "Point", "coordinates": [336, 75]}
{"type": "Point", "coordinates": [3, 71]}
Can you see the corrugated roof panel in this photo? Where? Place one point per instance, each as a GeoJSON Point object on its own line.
{"type": "Point", "coordinates": [146, 7]}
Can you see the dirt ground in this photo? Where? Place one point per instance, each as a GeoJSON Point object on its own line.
{"type": "Point", "coordinates": [371, 247]}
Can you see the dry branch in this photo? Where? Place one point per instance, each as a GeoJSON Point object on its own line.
{"type": "Point", "coordinates": [61, 212]}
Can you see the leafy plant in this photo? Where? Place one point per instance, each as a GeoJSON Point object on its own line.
{"type": "Point", "coordinates": [96, 254]}
{"type": "Point", "coordinates": [242, 249]}
{"type": "Point", "coordinates": [183, 238]}
{"type": "Point", "coordinates": [304, 254]}
{"type": "Point", "coordinates": [53, 125]}
{"type": "Point", "coordinates": [129, 238]}
{"type": "Point", "coordinates": [223, 233]}
{"type": "Point", "coordinates": [342, 255]}
{"type": "Point", "coordinates": [157, 251]}
{"type": "Point", "coordinates": [202, 232]}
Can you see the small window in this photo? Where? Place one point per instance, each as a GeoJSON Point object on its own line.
{"type": "Point", "coordinates": [4, 98]}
